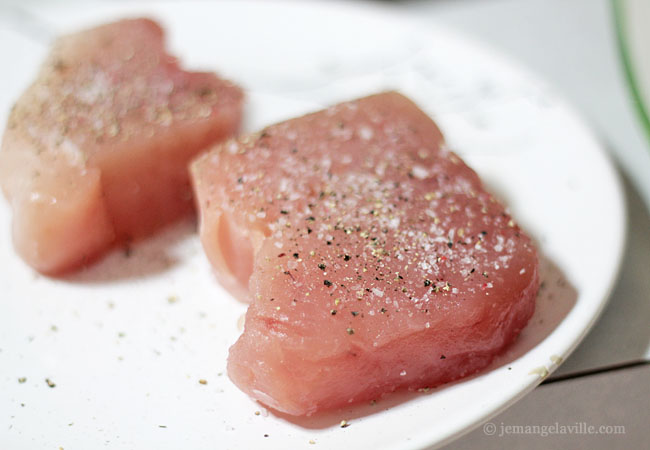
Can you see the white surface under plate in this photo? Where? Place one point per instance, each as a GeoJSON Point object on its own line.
{"type": "Point", "coordinates": [127, 340]}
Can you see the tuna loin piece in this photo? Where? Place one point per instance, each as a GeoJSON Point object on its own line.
{"type": "Point", "coordinates": [96, 149]}
{"type": "Point", "coordinates": [373, 257]}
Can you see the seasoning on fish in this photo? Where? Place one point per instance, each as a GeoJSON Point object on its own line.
{"type": "Point", "coordinates": [408, 273]}
{"type": "Point", "coordinates": [95, 151]}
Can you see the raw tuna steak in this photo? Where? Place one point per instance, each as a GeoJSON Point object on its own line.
{"type": "Point", "coordinates": [96, 150]}
{"type": "Point", "coordinates": [372, 255]}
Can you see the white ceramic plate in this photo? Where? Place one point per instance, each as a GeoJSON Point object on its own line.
{"type": "Point", "coordinates": [127, 340]}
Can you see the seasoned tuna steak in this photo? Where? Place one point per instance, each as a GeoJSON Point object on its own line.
{"type": "Point", "coordinates": [373, 257]}
{"type": "Point", "coordinates": [96, 150]}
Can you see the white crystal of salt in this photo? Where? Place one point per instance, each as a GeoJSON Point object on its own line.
{"type": "Point", "coordinates": [232, 147]}
{"type": "Point", "coordinates": [420, 172]}
{"type": "Point", "coordinates": [366, 133]}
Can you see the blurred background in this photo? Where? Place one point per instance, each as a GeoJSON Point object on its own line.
{"type": "Point", "coordinates": [575, 46]}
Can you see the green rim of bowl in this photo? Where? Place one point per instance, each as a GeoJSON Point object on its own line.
{"type": "Point", "coordinates": [628, 67]}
